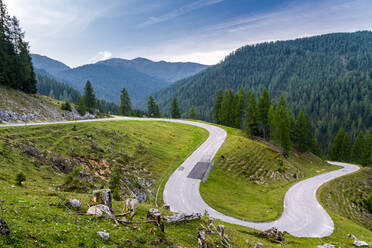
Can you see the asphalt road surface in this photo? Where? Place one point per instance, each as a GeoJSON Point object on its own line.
{"type": "Point", "coordinates": [303, 216]}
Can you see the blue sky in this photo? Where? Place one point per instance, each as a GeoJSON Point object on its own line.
{"type": "Point", "coordinates": [78, 32]}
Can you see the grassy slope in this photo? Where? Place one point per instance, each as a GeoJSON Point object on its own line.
{"type": "Point", "coordinates": [44, 107]}
{"type": "Point", "coordinates": [251, 178]}
{"type": "Point", "coordinates": [346, 197]}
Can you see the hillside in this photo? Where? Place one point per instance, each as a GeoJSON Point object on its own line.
{"type": "Point", "coordinates": [328, 76]}
{"type": "Point", "coordinates": [140, 76]}
{"type": "Point", "coordinates": [16, 106]}
{"type": "Point", "coordinates": [162, 70]}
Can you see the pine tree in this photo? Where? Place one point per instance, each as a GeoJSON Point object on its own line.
{"type": "Point", "coordinates": [263, 113]}
{"type": "Point", "coordinates": [345, 149]}
{"type": "Point", "coordinates": [274, 123]}
{"type": "Point", "coordinates": [175, 112]}
{"type": "Point", "coordinates": [192, 113]}
{"type": "Point", "coordinates": [89, 97]}
{"type": "Point", "coordinates": [292, 126]}
{"type": "Point", "coordinates": [301, 132]}
{"type": "Point", "coordinates": [252, 124]}
{"type": "Point", "coordinates": [358, 149]}
{"type": "Point", "coordinates": [238, 109]}
{"type": "Point", "coordinates": [217, 107]}
{"type": "Point", "coordinates": [152, 108]}
{"type": "Point", "coordinates": [337, 150]}
{"type": "Point", "coordinates": [81, 106]}
{"type": "Point", "coordinates": [369, 148]}
{"type": "Point", "coordinates": [285, 140]}
{"type": "Point", "coordinates": [226, 115]}
{"type": "Point", "coordinates": [125, 104]}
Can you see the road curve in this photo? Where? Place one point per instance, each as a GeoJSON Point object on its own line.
{"type": "Point", "coordinates": [303, 216]}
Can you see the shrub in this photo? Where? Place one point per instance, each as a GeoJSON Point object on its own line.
{"type": "Point", "coordinates": [20, 177]}
{"type": "Point", "coordinates": [369, 202]}
{"type": "Point", "coordinates": [66, 106]}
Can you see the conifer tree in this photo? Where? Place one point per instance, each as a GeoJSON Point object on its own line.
{"type": "Point", "coordinates": [337, 150]}
{"type": "Point", "coordinates": [175, 112]}
{"type": "Point", "coordinates": [152, 108]}
{"type": "Point", "coordinates": [192, 113]}
{"type": "Point", "coordinates": [358, 149]}
{"type": "Point", "coordinates": [217, 107]}
{"type": "Point", "coordinates": [226, 115]}
{"type": "Point", "coordinates": [369, 148]}
{"type": "Point", "coordinates": [291, 125]}
{"type": "Point", "coordinates": [285, 140]}
{"type": "Point", "coordinates": [301, 132]}
{"type": "Point", "coordinates": [81, 106]}
{"type": "Point", "coordinates": [125, 104]}
{"type": "Point", "coordinates": [239, 109]}
{"type": "Point", "coordinates": [263, 113]}
{"type": "Point", "coordinates": [252, 124]}
{"type": "Point", "coordinates": [89, 97]}
{"type": "Point", "coordinates": [274, 123]}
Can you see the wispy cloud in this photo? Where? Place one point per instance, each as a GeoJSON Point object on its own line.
{"type": "Point", "coordinates": [102, 56]}
{"type": "Point", "coordinates": [179, 12]}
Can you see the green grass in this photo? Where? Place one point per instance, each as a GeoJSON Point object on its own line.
{"type": "Point", "coordinates": [251, 178]}
{"type": "Point", "coordinates": [347, 197]}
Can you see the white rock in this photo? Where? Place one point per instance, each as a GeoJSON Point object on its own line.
{"type": "Point", "coordinates": [99, 210]}
{"type": "Point", "coordinates": [259, 245]}
{"type": "Point", "coordinates": [75, 204]}
{"type": "Point", "coordinates": [326, 246]}
{"type": "Point", "coordinates": [359, 243]}
{"type": "Point", "coordinates": [104, 235]}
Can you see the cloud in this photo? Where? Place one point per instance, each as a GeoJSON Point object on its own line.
{"type": "Point", "coordinates": [179, 12]}
{"type": "Point", "coordinates": [104, 55]}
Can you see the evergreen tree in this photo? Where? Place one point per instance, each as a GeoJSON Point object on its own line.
{"type": "Point", "coordinates": [285, 140]}
{"type": "Point", "coordinates": [175, 112]}
{"type": "Point", "coordinates": [192, 113]}
{"type": "Point", "coordinates": [274, 123]}
{"type": "Point", "coordinates": [301, 132]}
{"type": "Point", "coordinates": [263, 113]}
{"type": "Point", "coordinates": [226, 115]}
{"type": "Point", "coordinates": [81, 106]}
{"type": "Point", "coordinates": [238, 110]}
{"type": "Point", "coordinates": [152, 108]}
{"type": "Point", "coordinates": [89, 97]}
{"type": "Point", "coordinates": [369, 148]}
{"type": "Point", "coordinates": [292, 126]}
{"type": "Point", "coordinates": [345, 148]}
{"type": "Point", "coordinates": [125, 104]}
{"type": "Point", "coordinates": [358, 149]}
{"type": "Point", "coordinates": [217, 107]}
{"type": "Point", "coordinates": [252, 125]}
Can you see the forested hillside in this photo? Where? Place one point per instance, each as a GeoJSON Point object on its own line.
{"type": "Point", "coordinates": [329, 77]}
{"type": "Point", "coordinates": [16, 69]}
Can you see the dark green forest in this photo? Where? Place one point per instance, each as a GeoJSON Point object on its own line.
{"type": "Point", "coordinates": [16, 70]}
{"type": "Point", "coordinates": [49, 87]}
{"type": "Point", "coordinates": [329, 77]}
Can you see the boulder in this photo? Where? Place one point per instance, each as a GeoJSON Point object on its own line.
{"type": "Point", "coordinates": [258, 245]}
{"type": "Point", "coordinates": [104, 235]}
{"type": "Point", "coordinates": [359, 243]}
{"type": "Point", "coordinates": [99, 210]}
{"type": "Point", "coordinates": [273, 234]}
{"type": "Point", "coordinates": [75, 204]}
{"type": "Point", "coordinates": [4, 229]}
{"type": "Point", "coordinates": [351, 236]}
{"type": "Point", "coordinates": [326, 246]}
{"type": "Point", "coordinates": [154, 214]}
{"type": "Point", "coordinates": [103, 196]}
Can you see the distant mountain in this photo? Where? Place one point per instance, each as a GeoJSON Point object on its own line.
{"type": "Point", "coordinates": [141, 77]}
{"type": "Point", "coordinates": [162, 70]}
{"type": "Point", "coordinates": [109, 80]}
{"type": "Point", "coordinates": [49, 65]}
{"type": "Point", "coordinates": [328, 76]}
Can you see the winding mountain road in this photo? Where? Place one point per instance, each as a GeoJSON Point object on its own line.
{"type": "Point", "coordinates": [303, 216]}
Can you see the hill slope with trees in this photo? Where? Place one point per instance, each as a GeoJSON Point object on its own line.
{"type": "Point", "coordinates": [329, 77]}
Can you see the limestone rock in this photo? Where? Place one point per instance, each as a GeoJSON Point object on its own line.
{"type": "Point", "coordinates": [103, 196]}
{"type": "Point", "coordinates": [273, 234]}
{"type": "Point", "coordinates": [104, 235]}
{"type": "Point", "coordinates": [359, 243]}
{"type": "Point", "coordinates": [326, 246]}
{"type": "Point", "coordinates": [75, 204]}
{"type": "Point", "coordinates": [99, 210]}
{"type": "Point", "coordinates": [258, 245]}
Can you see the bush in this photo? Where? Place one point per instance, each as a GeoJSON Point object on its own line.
{"type": "Point", "coordinates": [20, 177]}
{"type": "Point", "coordinates": [369, 202]}
{"type": "Point", "coordinates": [66, 106]}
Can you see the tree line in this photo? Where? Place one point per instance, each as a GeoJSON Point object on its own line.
{"type": "Point", "coordinates": [16, 70]}
{"type": "Point", "coordinates": [272, 121]}
{"type": "Point", "coordinates": [359, 152]}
